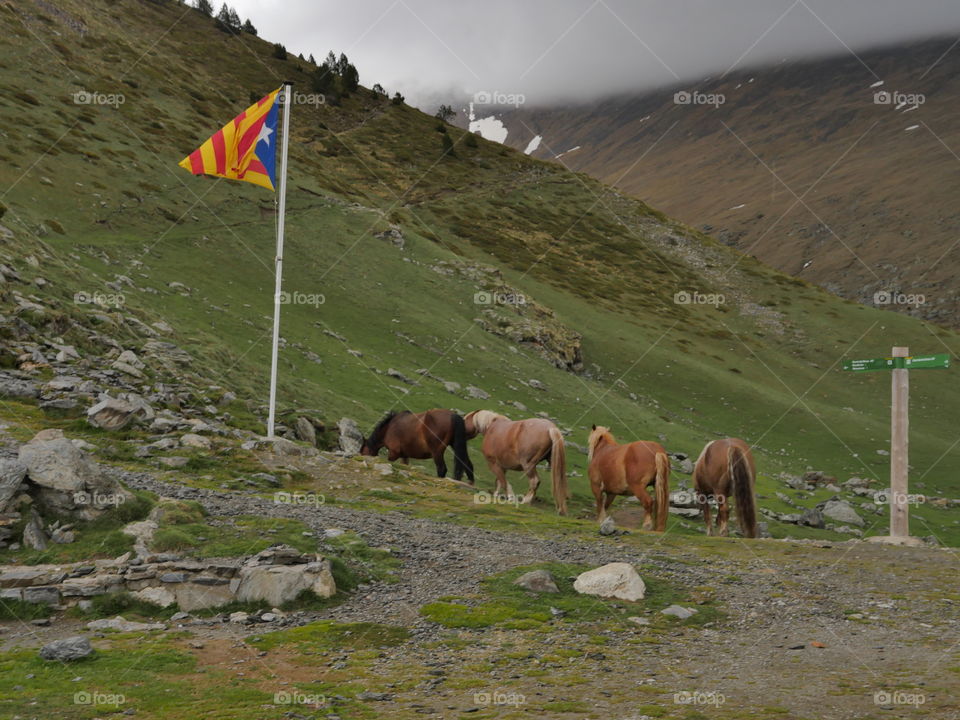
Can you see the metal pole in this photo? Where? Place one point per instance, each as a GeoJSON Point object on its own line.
{"type": "Point", "coordinates": [899, 432]}
{"type": "Point", "coordinates": [281, 210]}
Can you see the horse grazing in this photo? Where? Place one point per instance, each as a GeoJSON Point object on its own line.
{"type": "Point", "coordinates": [521, 445]}
{"type": "Point", "coordinates": [724, 464]}
{"type": "Point", "coordinates": [621, 469]}
{"type": "Point", "coordinates": [420, 436]}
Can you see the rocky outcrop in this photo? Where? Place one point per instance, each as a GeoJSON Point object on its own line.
{"type": "Point", "coordinates": [274, 576]}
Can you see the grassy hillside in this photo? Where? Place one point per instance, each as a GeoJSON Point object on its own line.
{"type": "Point", "coordinates": [92, 192]}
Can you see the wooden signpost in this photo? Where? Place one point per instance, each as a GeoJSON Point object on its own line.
{"type": "Point", "coordinates": [899, 363]}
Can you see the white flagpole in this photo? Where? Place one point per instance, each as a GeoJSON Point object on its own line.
{"type": "Point", "coordinates": [281, 209]}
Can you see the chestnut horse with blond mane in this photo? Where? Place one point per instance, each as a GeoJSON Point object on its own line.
{"type": "Point", "coordinates": [521, 445]}
{"type": "Point", "coordinates": [624, 469]}
{"type": "Point", "coordinates": [726, 464]}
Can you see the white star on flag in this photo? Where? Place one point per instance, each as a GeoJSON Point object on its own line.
{"type": "Point", "coordinates": [265, 133]}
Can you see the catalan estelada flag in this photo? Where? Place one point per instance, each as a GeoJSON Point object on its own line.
{"type": "Point", "coordinates": [244, 148]}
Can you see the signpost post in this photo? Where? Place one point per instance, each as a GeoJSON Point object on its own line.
{"type": "Point", "coordinates": [899, 363]}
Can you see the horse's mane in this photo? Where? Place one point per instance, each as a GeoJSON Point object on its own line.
{"type": "Point", "coordinates": [483, 418]}
{"type": "Point", "coordinates": [380, 428]}
{"type": "Point", "coordinates": [599, 433]}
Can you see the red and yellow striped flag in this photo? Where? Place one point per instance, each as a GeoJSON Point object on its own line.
{"type": "Point", "coordinates": [243, 149]}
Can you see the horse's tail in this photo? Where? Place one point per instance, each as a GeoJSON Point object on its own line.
{"type": "Point", "coordinates": [663, 490]}
{"type": "Point", "coordinates": [461, 458]}
{"type": "Point", "coordinates": [742, 476]}
{"type": "Point", "coordinates": [558, 470]}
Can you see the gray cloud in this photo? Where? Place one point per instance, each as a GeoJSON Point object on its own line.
{"type": "Point", "coordinates": [547, 50]}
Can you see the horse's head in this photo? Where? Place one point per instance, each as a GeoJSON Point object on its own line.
{"type": "Point", "coordinates": [371, 445]}
{"type": "Point", "coordinates": [598, 435]}
{"type": "Point", "coordinates": [470, 424]}
{"type": "Point", "coordinates": [478, 421]}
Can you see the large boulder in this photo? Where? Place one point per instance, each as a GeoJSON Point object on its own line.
{"type": "Point", "coordinates": [67, 649]}
{"type": "Point", "coordinates": [841, 511]}
{"type": "Point", "coordinates": [619, 580]}
{"type": "Point", "coordinates": [351, 439]}
{"type": "Point", "coordinates": [53, 462]}
{"type": "Point", "coordinates": [67, 481]}
{"type": "Point", "coordinates": [279, 584]}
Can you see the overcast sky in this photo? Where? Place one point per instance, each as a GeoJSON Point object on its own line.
{"type": "Point", "coordinates": [432, 50]}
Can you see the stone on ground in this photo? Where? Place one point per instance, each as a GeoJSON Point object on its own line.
{"type": "Point", "coordinates": [537, 581]}
{"type": "Point", "coordinates": [67, 649]}
{"type": "Point", "coordinates": [619, 580]}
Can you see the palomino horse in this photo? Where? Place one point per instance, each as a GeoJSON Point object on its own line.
{"type": "Point", "coordinates": [726, 464]}
{"type": "Point", "coordinates": [622, 469]}
{"type": "Point", "coordinates": [420, 436]}
{"type": "Point", "coordinates": [520, 445]}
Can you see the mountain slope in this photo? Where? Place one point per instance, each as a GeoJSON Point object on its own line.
{"type": "Point", "coordinates": [95, 204]}
{"type": "Point", "coordinates": [796, 164]}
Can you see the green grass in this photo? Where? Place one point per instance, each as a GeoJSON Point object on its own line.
{"type": "Point", "coordinates": [325, 635]}
{"type": "Point", "coordinates": [504, 604]}
{"type": "Point", "coordinates": [227, 537]}
{"type": "Point", "coordinates": [100, 538]}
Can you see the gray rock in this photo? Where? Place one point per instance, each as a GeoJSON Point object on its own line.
{"type": "Point", "coordinates": [120, 624]}
{"type": "Point", "coordinates": [17, 388]}
{"type": "Point", "coordinates": [842, 512]}
{"type": "Point", "coordinates": [608, 526]}
{"type": "Point", "coordinates": [54, 462]}
{"type": "Point", "coordinates": [619, 580]}
{"type": "Point", "coordinates": [538, 581]}
{"type": "Point", "coordinates": [278, 584]}
{"type": "Point", "coordinates": [451, 387]}
{"type": "Point", "coordinates": [33, 535]}
{"type": "Point", "coordinates": [67, 649]}
{"type": "Point", "coordinates": [812, 518]}
{"type": "Point", "coordinates": [44, 595]}
{"type": "Point", "coordinates": [195, 441]}
{"type": "Point", "coordinates": [12, 473]}
{"type": "Point", "coordinates": [679, 611]}
{"type": "Point", "coordinates": [351, 439]}
{"type": "Point", "coordinates": [114, 414]}
{"type": "Point", "coordinates": [305, 431]}
{"type": "Point", "coordinates": [477, 393]}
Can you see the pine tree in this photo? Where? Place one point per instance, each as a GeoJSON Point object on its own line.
{"type": "Point", "coordinates": [205, 7]}
{"type": "Point", "coordinates": [311, 60]}
{"type": "Point", "coordinates": [350, 78]}
{"type": "Point", "coordinates": [249, 28]}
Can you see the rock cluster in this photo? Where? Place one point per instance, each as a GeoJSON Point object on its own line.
{"type": "Point", "coordinates": [275, 576]}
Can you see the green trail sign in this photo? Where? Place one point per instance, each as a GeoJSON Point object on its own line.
{"type": "Point", "coordinates": [899, 363]}
{"type": "Point", "coordinates": [924, 362]}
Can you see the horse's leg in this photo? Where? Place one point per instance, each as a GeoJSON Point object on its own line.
{"type": "Point", "coordinates": [440, 463]}
{"type": "Point", "coordinates": [500, 476]}
{"type": "Point", "coordinates": [705, 509]}
{"type": "Point", "coordinates": [534, 478]}
{"type": "Point", "coordinates": [597, 489]}
{"type": "Point", "coordinates": [607, 502]}
{"type": "Point", "coordinates": [644, 497]}
{"type": "Point", "coordinates": [723, 513]}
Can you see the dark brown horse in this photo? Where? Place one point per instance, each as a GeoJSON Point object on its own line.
{"type": "Point", "coordinates": [521, 445]}
{"type": "Point", "coordinates": [726, 464]}
{"type": "Point", "coordinates": [629, 469]}
{"type": "Point", "coordinates": [420, 436]}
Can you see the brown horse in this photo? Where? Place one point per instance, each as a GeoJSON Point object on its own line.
{"type": "Point", "coordinates": [722, 464]}
{"type": "Point", "coordinates": [622, 469]}
{"type": "Point", "coordinates": [420, 436]}
{"type": "Point", "coordinates": [520, 445]}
